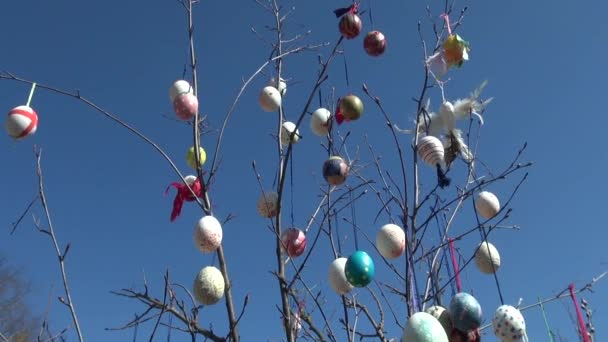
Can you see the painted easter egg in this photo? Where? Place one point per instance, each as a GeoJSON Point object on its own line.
{"type": "Point", "coordinates": [465, 312]}
{"type": "Point", "coordinates": [335, 170]}
{"type": "Point", "coordinates": [268, 204]}
{"type": "Point", "coordinates": [390, 241]}
{"type": "Point", "coordinates": [293, 242]}
{"type": "Point", "coordinates": [179, 87]}
{"type": "Point", "coordinates": [185, 106]}
{"type": "Point", "coordinates": [207, 234]}
{"type": "Point", "coordinates": [359, 269]}
{"type": "Point", "coordinates": [351, 107]}
{"type": "Point", "coordinates": [443, 316]}
{"type": "Point", "coordinates": [455, 50]}
{"type": "Point", "coordinates": [209, 286]}
{"type": "Point", "coordinates": [350, 25]}
{"type": "Point", "coordinates": [337, 277]}
{"type": "Point", "coordinates": [270, 99]}
{"type": "Point", "coordinates": [374, 43]}
{"type": "Point", "coordinates": [21, 122]}
{"type": "Point", "coordinates": [430, 149]}
{"type": "Point", "coordinates": [487, 258]}
{"type": "Point", "coordinates": [191, 157]}
{"type": "Point", "coordinates": [319, 122]}
{"type": "Point", "coordinates": [508, 324]}
{"type": "Point", "coordinates": [286, 130]}
{"type": "Point", "coordinates": [487, 204]}
{"type": "Point", "coordinates": [281, 85]}
{"type": "Point", "coordinates": [423, 327]}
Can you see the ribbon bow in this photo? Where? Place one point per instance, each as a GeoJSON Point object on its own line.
{"type": "Point", "coordinates": [183, 194]}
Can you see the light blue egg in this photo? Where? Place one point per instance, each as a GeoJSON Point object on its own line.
{"type": "Point", "coordinates": [465, 312]}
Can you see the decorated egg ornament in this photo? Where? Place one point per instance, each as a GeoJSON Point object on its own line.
{"type": "Point", "coordinates": [509, 325]}
{"type": "Point", "coordinates": [359, 269]}
{"type": "Point", "coordinates": [487, 258]}
{"type": "Point", "coordinates": [208, 234]}
{"type": "Point", "coordinates": [286, 131]}
{"type": "Point", "coordinates": [209, 286]}
{"type": "Point", "coordinates": [350, 108]}
{"type": "Point", "coordinates": [179, 87]}
{"type": "Point", "coordinates": [270, 99]}
{"type": "Point", "coordinates": [337, 277]}
{"type": "Point", "coordinates": [319, 122]}
{"type": "Point", "coordinates": [465, 312]}
{"type": "Point", "coordinates": [455, 50]}
{"type": "Point", "coordinates": [350, 25]}
{"type": "Point", "coordinates": [374, 43]}
{"type": "Point", "coordinates": [423, 327]}
{"type": "Point", "coordinates": [443, 316]}
{"type": "Point", "coordinates": [268, 204]}
{"type": "Point", "coordinates": [185, 106]}
{"type": "Point", "coordinates": [21, 122]}
{"type": "Point", "coordinates": [293, 242]}
{"type": "Point", "coordinates": [281, 85]}
{"type": "Point", "coordinates": [335, 170]}
{"type": "Point", "coordinates": [487, 204]}
{"type": "Point", "coordinates": [390, 241]}
{"type": "Point", "coordinates": [191, 157]}
{"type": "Point", "coordinates": [430, 149]}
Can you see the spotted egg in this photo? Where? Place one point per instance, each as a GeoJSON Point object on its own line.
{"type": "Point", "coordinates": [508, 324]}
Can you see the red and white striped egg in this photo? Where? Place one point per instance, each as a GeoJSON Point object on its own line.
{"type": "Point", "coordinates": [21, 122]}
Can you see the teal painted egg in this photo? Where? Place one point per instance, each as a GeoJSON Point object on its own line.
{"type": "Point", "coordinates": [359, 269]}
{"type": "Point", "coordinates": [423, 327]}
{"type": "Point", "coordinates": [465, 312]}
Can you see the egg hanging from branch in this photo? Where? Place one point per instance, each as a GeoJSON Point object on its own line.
{"type": "Point", "coordinates": [179, 87]}
{"type": "Point", "coordinates": [374, 43]}
{"type": "Point", "coordinates": [320, 122]}
{"type": "Point", "coordinates": [293, 242]}
{"type": "Point", "coordinates": [268, 204]}
{"type": "Point", "coordinates": [509, 324]}
{"type": "Point", "coordinates": [487, 204]}
{"type": "Point", "coordinates": [350, 25]}
{"type": "Point", "coordinates": [465, 312]}
{"type": "Point", "coordinates": [208, 234]}
{"type": "Point", "coordinates": [287, 130]}
{"type": "Point", "coordinates": [21, 122]}
{"type": "Point", "coordinates": [443, 316]}
{"type": "Point", "coordinates": [191, 157]}
{"type": "Point", "coordinates": [280, 85]}
{"type": "Point", "coordinates": [209, 286]}
{"type": "Point", "coordinates": [423, 327]}
{"type": "Point", "coordinates": [390, 241]}
{"type": "Point", "coordinates": [335, 170]}
{"type": "Point", "coordinates": [337, 277]}
{"type": "Point", "coordinates": [270, 99]}
{"type": "Point", "coordinates": [350, 108]}
{"type": "Point", "coordinates": [185, 106]}
{"type": "Point", "coordinates": [487, 258]}
{"type": "Point", "coordinates": [430, 149]}
{"type": "Point", "coordinates": [359, 269]}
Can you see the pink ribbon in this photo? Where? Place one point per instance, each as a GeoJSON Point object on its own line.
{"type": "Point", "coordinates": [447, 22]}
{"type": "Point", "coordinates": [455, 265]}
{"type": "Point", "coordinates": [579, 315]}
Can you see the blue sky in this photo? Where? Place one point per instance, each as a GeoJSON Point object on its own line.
{"type": "Point", "coordinates": [105, 187]}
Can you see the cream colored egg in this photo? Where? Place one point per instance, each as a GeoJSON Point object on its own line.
{"type": "Point", "coordinates": [281, 86]}
{"type": "Point", "coordinates": [487, 258]}
{"type": "Point", "coordinates": [443, 316]}
{"type": "Point", "coordinates": [430, 149]}
{"type": "Point", "coordinates": [319, 122]}
{"type": "Point", "coordinates": [286, 130]}
{"type": "Point", "coordinates": [209, 286]}
{"type": "Point", "coordinates": [509, 324]}
{"type": "Point", "coordinates": [270, 99]}
{"type": "Point", "coordinates": [268, 204]}
{"type": "Point", "coordinates": [487, 204]}
{"type": "Point", "coordinates": [390, 241]}
{"type": "Point", "coordinates": [208, 234]}
{"type": "Point", "coordinates": [423, 327]}
{"type": "Point", "coordinates": [337, 277]}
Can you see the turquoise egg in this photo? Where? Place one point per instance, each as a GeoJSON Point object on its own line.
{"type": "Point", "coordinates": [359, 269]}
{"type": "Point", "coordinates": [465, 312]}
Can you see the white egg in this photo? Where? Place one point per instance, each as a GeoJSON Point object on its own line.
{"type": "Point", "coordinates": [209, 286]}
{"type": "Point", "coordinates": [337, 277]}
{"type": "Point", "coordinates": [487, 204]}
{"type": "Point", "coordinates": [430, 149]}
{"type": "Point", "coordinates": [208, 234]}
{"type": "Point", "coordinates": [487, 258]}
{"type": "Point", "coordinates": [286, 130]}
{"type": "Point", "coordinates": [423, 327]}
{"type": "Point", "coordinates": [319, 122]}
{"type": "Point", "coordinates": [270, 99]}
{"type": "Point", "coordinates": [281, 86]}
{"type": "Point", "coordinates": [390, 241]}
{"type": "Point", "coordinates": [179, 87]}
{"type": "Point", "coordinates": [509, 324]}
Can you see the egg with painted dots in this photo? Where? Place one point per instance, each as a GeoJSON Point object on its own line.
{"type": "Point", "coordinates": [508, 324]}
{"type": "Point", "coordinates": [359, 269]}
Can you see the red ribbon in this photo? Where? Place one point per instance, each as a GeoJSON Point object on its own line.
{"type": "Point", "coordinates": [183, 194]}
{"type": "Point", "coordinates": [340, 118]}
{"type": "Point", "coordinates": [579, 315]}
{"type": "Point", "coordinates": [455, 264]}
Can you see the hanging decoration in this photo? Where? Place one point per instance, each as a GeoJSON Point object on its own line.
{"type": "Point", "coordinates": [350, 23]}
{"type": "Point", "coordinates": [443, 316]}
{"type": "Point", "coordinates": [335, 170]}
{"type": "Point", "coordinates": [454, 52]}
{"type": "Point", "coordinates": [208, 234]}
{"type": "Point", "coordinates": [509, 325]}
{"type": "Point", "coordinates": [179, 87]}
{"type": "Point", "coordinates": [350, 108]}
{"type": "Point", "coordinates": [191, 157]}
{"type": "Point", "coordinates": [287, 130]}
{"type": "Point", "coordinates": [487, 258]}
{"type": "Point", "coordinates": [423, 327]}
{"type": "Point", "coordinates": [185, 106]}
{"type": "Point", "coordinates": [280, 85]}
{"type": "Point", "coordinates": [337, 277]}
{"type": "Point", "coordinates": [374, 43]}
{"type": "Point", "coordinates": [270, 99]}
{"type": "Point", "coordinates": [293, 242]}
{"type": "Point", "coordinates": [209, 286]}
{"type": "Point", "coordinates": [184, 194]}
{"type": "Point", "coordinates": [359, 269]}
{"type": "Point", "coordinates": [320, 122]}
{"type": "Point", "coordinates": [430, 149]}
{"type": "Point", "coordinates": [465, 312]}
{"type": "Point", "coordinates": [390, 241]}
{"type": "Point", "coordinates": [22, 121]}
{"type": "Point", "coordinates": [487, 205]}
{"type": "Point", "coordinates": [268, 204]}
{"type": "Point", "coordinates": [581, 322]}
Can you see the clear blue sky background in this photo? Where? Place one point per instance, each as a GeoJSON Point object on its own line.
{"type": "Point", "coordinates": [544, 63]}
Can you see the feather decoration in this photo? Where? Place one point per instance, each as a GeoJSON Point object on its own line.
{"type": "Point", "coordinates": [454, 145]}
